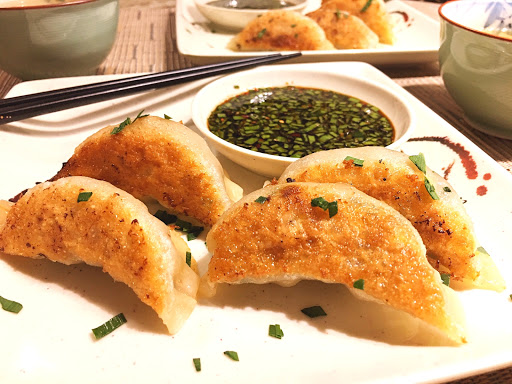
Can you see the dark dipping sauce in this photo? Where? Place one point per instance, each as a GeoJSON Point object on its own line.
{"type": "Point", "coordinates": [294, 121]}
{"type": "Point", "coordinates": [251, 4]}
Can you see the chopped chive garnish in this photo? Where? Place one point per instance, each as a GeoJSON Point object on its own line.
{"type": "Point", "coordinates": [197, 364]}
{"type": "Point", "coordinates": [83, 196]}
{"type": "Point", "coordinates": [126, 122]}
{"type": "Point", "coordinates": [320, 202]}
{"type": "Point", "coordinates": [232, 355]}
{"type": "Point", "coordinates": [261, 199]}
{"type": "Point", "coordinates": [337, 13]}
{"type": "Point", "coordinates": [431, 189]}
{"type": "Point", "coordinates": [109, 326]}
{"type": "Point", "coordinates": [167, 117]}
{"type": "Point", "coordinates": [366, 6]}
{"type": "Point", "coordinates": [482, 250]}
{"type": "Point", "coordinates": [262, 33]}
{"type": "Point", "coordinates": [167, 218]}
{"type": "Point", "coordinates": [445, 277]}
{"type": "Point", "coordinates": [510, 296]}
{"type": "Point", "coordinates": [359, 284]}
{"type": "Point", "coordinates": [325, 205]}
{"type": "Point", "coordinates": [447, 189]}
{"type": "Point", "coordinates": [188, 258]}
{"type": "Point", "coordinates": [275, 330]}
{"type": "Point", "coordinates": [419, 161]}
{"type": "Point", "coordinates": [357, 162]}
{"type": "Point", "coordinates": [333, 208]}
{"type": "Point", "coordinates": [315, 311]}
{"type": "Point", "coordinates": [10, 306]}
{"type": "Point", "coordinates": [236, 86]}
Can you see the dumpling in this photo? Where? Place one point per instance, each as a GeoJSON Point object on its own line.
{"type": "Point", "coordinates": [110, 229]}
{"type": "Point", "coordinates": [345, 31]}
{"type": "Point", "coordinates": [281, 31]}
{"type": "Point", "coordinates": [334, 233]}
{"type": "Point", "coordinates": [372, 12]}
{"type": "Point", "coordinates": [158, 159]}
{"type": "Point", "coordinates": [391, 176]}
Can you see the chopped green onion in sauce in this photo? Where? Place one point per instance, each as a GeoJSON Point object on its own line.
{"type": "Point", "coordinates": [232, 355]}
{"type": "Point", "coordinates": [167, 117]}
{"type": "Point", "coordinates": [274, 330]}
{"type": "Point", "coordinates": [355, 160]}
{"type": "Point", "coordinates": [447, 189]}
{"type": "Point", "coordinates": [188, 258]}
{"type": "Point", "coordinates": [359, 284]}
{"type": "Point", "coordinates": [10, 306]}
{"type": "Point", "coordinates": [315, 311]}
{"type": "Point", "coordinates": [197, 364]}
{"type": "Point", "coordinates": [261, 199]}
{"type": "Point", "coordinates": [445, 277]}
{"type": "Point", "coordinates": [295, 121]}
{"type": "Point", "coordinates": [108, 327]}
{"type": "Point", "coordinates": [83, 196]}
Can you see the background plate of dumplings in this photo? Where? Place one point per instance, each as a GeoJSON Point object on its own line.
{"type": "Point", "coordinates": [417, 38]}
{"type": "Point", "coordinates": [50, 340]}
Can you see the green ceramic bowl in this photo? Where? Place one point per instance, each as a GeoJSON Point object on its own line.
{"type": "Point", "coordinates": [476, 64]}
{"type": "Point", "coordinates": [57, 39]}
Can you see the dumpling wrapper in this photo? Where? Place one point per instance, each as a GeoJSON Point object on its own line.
{"type": "Point", "coordinates": [372, 12]}
{"type": "Point", "coordinates": [344, 30]}
{"type": "Point", "coordinates": [390, 176]}
{"type": "Point", "coordinates": [281, 31]}
{"type": "Point", "coordinates": [112, 230]}
{"type": "Point", "coordinates": [285, 239]}
{"type": "Point", "coordinates": [158, 159]}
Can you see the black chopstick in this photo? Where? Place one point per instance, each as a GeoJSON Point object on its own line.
{"type": "Point", "coordinates": [23, 107]}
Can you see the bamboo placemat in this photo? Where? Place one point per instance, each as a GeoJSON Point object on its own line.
{"type": "Point", "coordinates": [146, 42]}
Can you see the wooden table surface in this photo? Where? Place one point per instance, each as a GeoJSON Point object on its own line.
{"type": "Point", "coordinates": [146, 42]}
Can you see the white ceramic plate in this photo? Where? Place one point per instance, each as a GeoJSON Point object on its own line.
{"type": "Point", "coordinates": [50, 340]}
{"type": "Point", "coordinates": [417, 38]}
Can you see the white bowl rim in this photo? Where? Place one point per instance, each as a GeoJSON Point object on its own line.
{"type": "Point", "coordinates": [203, 128]}
{"type": "Point", "coordinates": [469, 29]}
{"type": "Point", "coordinates": [47, 6]}
{"type": "Point", "coordinates": [203, 3]}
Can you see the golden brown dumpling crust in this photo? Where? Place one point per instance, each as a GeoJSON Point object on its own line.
{"type": "Point", "coordinates": [374, 15]}
{"type": "Point", "coordinates": [281, 31]}
{"type": "Point", "coordinates": [156, 158]}
{"type": "Point", "coordinates": [285, 238]}
{"type": "Point", "coordinates": [390, 176]}
{"type": "Point", "coordinates": [112, 230]}
{"type": "Point", "coordinates": [344, 30]}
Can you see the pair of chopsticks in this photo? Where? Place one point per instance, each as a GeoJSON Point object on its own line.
{"type": "Point", "coordinates": [23, 107]}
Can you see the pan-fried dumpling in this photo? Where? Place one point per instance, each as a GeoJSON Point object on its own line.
{"type": "Point", "coordinates": [281, 31]}
{"type": "Point", "coordinates": [333, 233]}
{"type": "Point", "coordinates": [345, 31]}
{"type": "Point", "coordinates": [372, 12]}
{"type": "Point", "coordinates": [391, 176]}
{"type": "Point", "coordinates": [159, 159]}
{"type": "Point", "coordinates": [110, 229]}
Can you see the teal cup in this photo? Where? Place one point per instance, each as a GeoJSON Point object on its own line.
{"type": "Point", "coordinates": [56, 39]}
{"type": "Point", "coordinates": [475, 58]}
